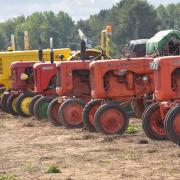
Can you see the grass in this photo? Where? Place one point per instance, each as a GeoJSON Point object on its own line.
{"type": "Point", "coordinates": [8, 177]}
{"type": "Point", "coordinates": [88, 136]}
{"type": "Point", "coordinates": [30, 168]}
{"type": "Point", "coordinates": [2, 125]}
{"type": "Point", "coordinates": [53, 168]}
{"type": "Point", "coordinates": [132, 129]}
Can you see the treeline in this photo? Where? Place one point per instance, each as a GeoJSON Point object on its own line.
{"type": "Point", "coordinates": [130, 19]}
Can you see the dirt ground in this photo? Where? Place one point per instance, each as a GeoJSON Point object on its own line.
{"type": "Point", "coordinates": [28, 148]}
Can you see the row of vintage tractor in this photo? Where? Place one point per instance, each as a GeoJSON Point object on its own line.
{"type": "Point", "coordinates": [93, 91]}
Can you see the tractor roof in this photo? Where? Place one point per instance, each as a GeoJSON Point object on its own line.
{"type": "Point", "coordinates": [160, 39]}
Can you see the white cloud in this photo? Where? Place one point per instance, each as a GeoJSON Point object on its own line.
{"type": "Point", "coordinates": [78, 9]}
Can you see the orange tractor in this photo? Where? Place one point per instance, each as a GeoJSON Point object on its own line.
{"type": "Point", "coordinates": [161, 119]}
{"type": "Point", "coordinates": [73, 88]}
{"type": "Point", "coordinates": [115, 83]}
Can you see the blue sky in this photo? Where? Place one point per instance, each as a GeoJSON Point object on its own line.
{"type": "Point", "coordinates": [78, 9]}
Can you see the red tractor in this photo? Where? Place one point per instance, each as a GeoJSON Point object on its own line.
{"type": "Point", "coordinates": [44, 87]}
{"type": "Point", "coordinates": [73, 87]}
{"type": "Point", "coordinates": [22, 82]}
{"type": "Point", "coordinates": [161, 119]}
{"type": "Point", "coordinates": [115, 83]}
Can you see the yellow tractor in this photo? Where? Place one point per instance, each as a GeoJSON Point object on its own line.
{"type": "Point", "coordinates": [6, 58]}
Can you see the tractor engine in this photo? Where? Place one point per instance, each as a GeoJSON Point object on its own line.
{"type": "Point", "coordinates": [45, 78]}
{"type": "Point", "coordinates": [121, 79]}
{"type": "Point", "coordinates": [73, 78]}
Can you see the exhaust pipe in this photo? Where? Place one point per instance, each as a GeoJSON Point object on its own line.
{"type": "Point", "coordinates": [26, 41]}
{"type": "Point", "coordinates": [52, 51]}
{"type": "Point", "coordinates": [13, 42]}
{"type": "Point", "coordinates": [40, 52]}
{"type": "Point", "coordinates": [83, 49]}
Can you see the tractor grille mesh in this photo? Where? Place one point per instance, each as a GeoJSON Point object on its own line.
{"type": "Point", "coordinates": [1, 67]}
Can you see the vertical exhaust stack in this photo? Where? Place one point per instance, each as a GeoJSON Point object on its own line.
{"type": "Point", "coordinates": [83, 50]}
{"type": "Point", "coordinates": [52, 51]}
{"type": "Point", "coordinates": [13, 42]}
{"type": "Point", "coordinates": [83, 44]}
{"type": "Point", "coordinates": [40, 52]}
{"type": "Point", "coordinates": [26, 41]}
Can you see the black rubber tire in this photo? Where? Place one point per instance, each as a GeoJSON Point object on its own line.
{"type": "Point", "coordinates": [146, 123]}
{"type": "Point", "coordinates": [61, 116]}
{"type": "Point", "coordinates": [31, 105]}
{"type": "Point", "coordinates": [169, 127]}
{"type": "Point", "coordinates": [9, 104]}
{"type": "Point", "coordinates": [19, 101]}
{"type": "Point", "coordinates": [52, 118]}
{"type": "Point", "coordinates": [40, 108]}
{"type": "Point", "coordinates": [4, 99]}
{"type": "Point", "coordinates": [86, 122]}
{"type": "Point", "coordinates": [105, 107]}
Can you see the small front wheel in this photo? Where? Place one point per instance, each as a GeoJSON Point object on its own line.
{"type": "Point", "coordinates": [172, 124]}
{"type": "Point", "coordinates": [70, 113]}
{"type": "Point", "coordinates": [153, 125]}
{"type": "Point", "coordinates": [111, 119]}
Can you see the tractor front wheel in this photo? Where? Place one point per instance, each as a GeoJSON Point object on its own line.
{"type": "Point", "coordinates": [172, 124]}
{"type": "Point", "coordinates": [70, 113]}
{"type": "Point", "coordinates": [153, 125]}
{"type": "Point", "coordinates": [111, 118]}
{"type": "Point", "coordinates": [52, 110]}
{"type": "Point", "coordinates": [11, 104]}
{"type": "Point", "coordinates": [4, 99]}
{"type": "Point", "coordinates": [40, 108]}
{"type": "Point", "coordinates": [22, 104]}
{"type": "Point", "coordinates": [33, 101]}
{"type": "Point", "coordinates": [89, 112]}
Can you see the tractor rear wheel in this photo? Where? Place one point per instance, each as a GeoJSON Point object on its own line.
{"type": "Point", "coordinates": [172, 124]}
{"type": "Point", "coordinates": [153, 125]}
{"type": "Point", "coordinates": [33, 101]}
{"type": "Point", "coordinates": [4, 99]}
{"type": "Point", "coordinates": [111, 118]}
{"type": "Point", "coordinates": [52, 111]}
{"type": "Point", "coordinates": [11, 104]}
{"type": "Point", "coordinates": [22, 104]}
{"type": "Point", "coordinates": [70, 113]}
{"type": "Point", "coordinates": [89, 112]}
{"type": "Point", "coordinates": [40, 108]}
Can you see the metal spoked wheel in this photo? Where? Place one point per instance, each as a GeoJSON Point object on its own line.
{"type": "Point", "coordinates": [172, 124]}
{"type": "Point", "coordinates": [153, 125]}
{"type": "Point", "coordinates": [111, 119]}
{"type": "Point", "coordinates": [70, 113]}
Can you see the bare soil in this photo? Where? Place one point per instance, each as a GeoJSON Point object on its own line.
{"type": "Point", "coordinates": [28, 147]}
